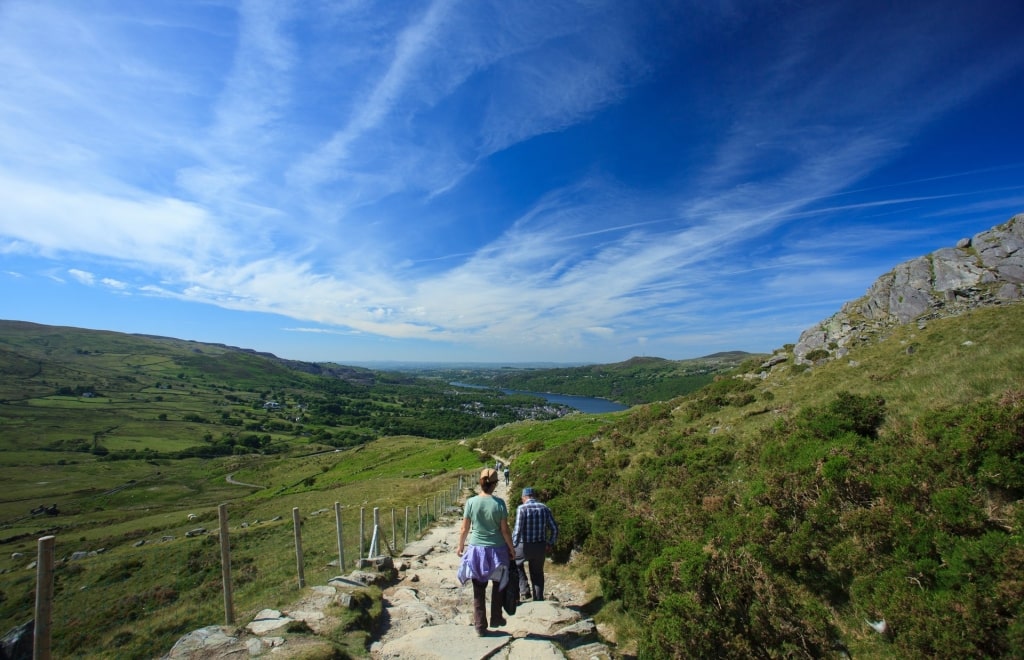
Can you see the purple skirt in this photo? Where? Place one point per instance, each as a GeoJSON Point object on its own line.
{"type": "Point", "coordinates": [483, 563]}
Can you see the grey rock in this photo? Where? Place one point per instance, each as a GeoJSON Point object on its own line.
{"type": "Point", "coordinates": [199, 643]}
{"type": "Point", "coordinates": [268, 620]}
{"type": "Point", "coordinates": [987, 269]}
{"type": "Point", "coordinates": [17, 643]}
{"type": "Point", "coordinates": [1009, 291]}
{"type": "Point", "coordinates": [367, 578]}
{"type": "Point", "coordinates": [443, 642]}
{"type": "Point", "coordinates": [778, 358]}
{"type": "Point", "coordinates": [381, 564]}
{"type": "Point", "coordinates": [584, 628]}
{"type": "Point", "coordinates": [534, 649]}
{"type": "Point", "coordinates": [593, 651]}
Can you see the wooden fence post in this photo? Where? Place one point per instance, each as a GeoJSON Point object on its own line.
{"type": "Point", "coordinates": [225, 564]}
{"type": "Point", "coordinates": [337, 524]}
{"type": "Point", "coordinates": [419, 522]}
{"type": "Point", "coordinates": [394, 535]}
{"type": "Point", "coordinates": [297, 523]}
{"type": "Point", "coordinates": [44, 599]}
{"type": "Point", "coordinates": [406, 526]}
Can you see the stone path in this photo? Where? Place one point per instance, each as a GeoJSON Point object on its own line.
{"type": "Point", "coordinates": [428, 616]}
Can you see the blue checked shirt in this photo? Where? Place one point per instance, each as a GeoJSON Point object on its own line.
{"type": "Point", "coordinates": [533, 520]}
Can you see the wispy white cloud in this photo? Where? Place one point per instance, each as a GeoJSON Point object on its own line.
{"type": "Point", "coordinates": [319, 162]}
{"type": "Point", "coordinates": [150, 231]}
{"type": "Point", "coordinates": [114, 284]}
{"type": "Point", "coordinates": [321, 331]}
{"type": "Point", "coordinates": [329, 158]}
{"type": "Point", "coordinates": [82, 276]}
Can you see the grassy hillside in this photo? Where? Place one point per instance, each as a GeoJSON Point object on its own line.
{"type": "Point", "coordinates": [76, 391]}
{"type": "Point", "coordinates": [145, 583]}
{"type": "Point", "coordinates": [108, 439]}
{"type": "Point", "coordinates": [777, 516]}
{"type": "Point", "coordinates": [637, 380]}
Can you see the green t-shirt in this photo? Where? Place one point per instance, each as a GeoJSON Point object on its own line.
{"type": "Point", "coordinates": [486, 514]}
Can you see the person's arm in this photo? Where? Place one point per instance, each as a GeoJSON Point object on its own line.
{"type": "Point", "coordinates": [463, 533]}
{"type": "Point", "coordinates": [517, 534]}
{"type": "Point", "coordinates": [508, 538]}
{"type": "Point", "coordinates": [554, 530]}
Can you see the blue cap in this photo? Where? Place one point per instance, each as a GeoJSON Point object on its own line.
{"type": "Point", "coordinates": [527, 492]}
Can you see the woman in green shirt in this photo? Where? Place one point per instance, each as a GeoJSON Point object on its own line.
{"type": "Point", "coordinates": [485, 525]}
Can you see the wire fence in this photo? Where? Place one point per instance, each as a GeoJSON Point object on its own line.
{"type": "Point", "coordinates": [312, 547]}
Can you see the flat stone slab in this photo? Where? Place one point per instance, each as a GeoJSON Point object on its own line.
{"type": "Point", "coordinates": [540, 618]}
{"type": "Point", "coordinates": [204, 640]}
{"type": "Point", "coordinates": [267, 621]}
{"type": "Point", "coordinates": [534, 649]}
{"type": "Point", "coordinates": [419, 548]}
{"type": "Point", "coordinates": [445, 642]}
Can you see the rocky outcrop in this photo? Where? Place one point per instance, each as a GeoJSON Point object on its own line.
{"type": "Point", "coordinates": [987, 269]}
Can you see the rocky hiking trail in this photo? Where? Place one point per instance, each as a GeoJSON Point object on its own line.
{"type": "Point", "coordinates": [427, 615]}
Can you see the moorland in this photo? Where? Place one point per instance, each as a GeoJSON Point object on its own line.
{"type": "Point", "coordinates": [779, 509]}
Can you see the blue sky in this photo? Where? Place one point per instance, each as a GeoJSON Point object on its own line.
{"type": "Point", "coordinates": [499, 181]}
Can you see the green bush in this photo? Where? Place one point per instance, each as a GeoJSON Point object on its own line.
{"type": "Point", "coordinates": [761, 549]}
{"type": "Point", "coordinates": [816, 354]}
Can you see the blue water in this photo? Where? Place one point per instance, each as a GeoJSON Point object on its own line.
{"type": "Point", "coordinates": [586, 404]}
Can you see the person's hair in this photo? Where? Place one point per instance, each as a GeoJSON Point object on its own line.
{"type": "Point", "coordinates": [488, 486]}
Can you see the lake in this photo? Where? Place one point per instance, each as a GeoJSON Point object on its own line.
{"type": "Point", "coordinates": [586, 404]}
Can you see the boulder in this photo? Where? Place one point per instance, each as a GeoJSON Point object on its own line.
{"type": "Point", "coordinates": [202, 643]}
{"type": "Point", "coordinates": [17, 643]}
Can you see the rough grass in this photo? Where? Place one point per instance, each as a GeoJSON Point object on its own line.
{"type": "Point", "coordinates": [711, 438]}
{"type": "Point", "coordinates": [143, 597]}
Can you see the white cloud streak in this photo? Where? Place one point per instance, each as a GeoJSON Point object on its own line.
{"type": "Point", "coordinates": [290, 175]}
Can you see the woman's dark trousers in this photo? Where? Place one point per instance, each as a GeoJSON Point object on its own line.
{"type": "Point", "coordinates": [480, 605]}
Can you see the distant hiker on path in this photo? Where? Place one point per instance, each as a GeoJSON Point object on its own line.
{"type": "Point", "coordinates": [536, 533]}
{"type": "Point", "coordinates": [506, 475]}
{"type": "Point", "coordinates": [485, 524]}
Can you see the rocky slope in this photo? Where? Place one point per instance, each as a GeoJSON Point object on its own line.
{"type": "Point", "coordinates": [986, 269]}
